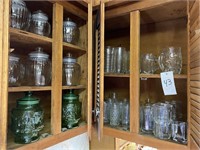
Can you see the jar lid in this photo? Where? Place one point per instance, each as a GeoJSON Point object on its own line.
{"type": "Point", "coordinates": [38, 54]}
{"type": "Point", "coordinates": [70, 96]}
{"type": "Point", "coordinates": [19, 2]}
{"type": "Point", "coordinates": [13, 57]}
{"type": "Point", "coordinates": [28, 99]}
{"type": "Point", "coordinates": [39, 15]}
{"type": "Point", "coordinates": [69, 59]}
{"type": "Point", "coordinates": [69, 22]}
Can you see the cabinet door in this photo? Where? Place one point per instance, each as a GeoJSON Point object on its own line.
{"type": "Point", "coordinates": [194, 70]}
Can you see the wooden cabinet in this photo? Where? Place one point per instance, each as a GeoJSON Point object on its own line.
{"type": "Point", "coordinates": [25, 42]}
{"type": "Point", "coordinates": [148, 27]}
{"type": "Point", "coordinates": [141, 27]}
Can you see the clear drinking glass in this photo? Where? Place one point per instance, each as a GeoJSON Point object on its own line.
{"type": "Point", "coordinates": [114, 112]}
{"type": "Point", "coordinates": [125, 114]}
{"type": "Point", "coordinates": [179, 131]}
{"type": "Point", "coordinates": [147, 123]}
{"type": "Point", "coordinates": [171, 60]}
{"type": "Point", "coordinates": [107, 105]}
{"type": "Point", "coordinates": [126, 61]}
{"type": "Point", "coordinates": [108, 56]}
{"type": "Point", "coordinates": [148, 63]}
{"type": "Point", "coordinates": [118, 60]}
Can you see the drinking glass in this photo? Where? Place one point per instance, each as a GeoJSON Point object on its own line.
{"type": "Point", "coordinates": [118, 59]}
{"type": "Point", "coordinates": [148, 63]}
{"type": "Point", "coordinates": [147, 123]}
{"type": "Point", "coordinates": [107, 104]}
{"type": "Point", "coordinates": [125, 114]}
{"type": "Point", "coordinates": [108, 59]}
{"type": "Point", "coordinates": [171, 60]}
{"type": "Point", "coordinates": [179, 131]}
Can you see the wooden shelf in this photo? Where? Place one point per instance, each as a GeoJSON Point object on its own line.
{"type": "Point", "coordinates": [117, 75]}
{"type": "Point", "coordinates": [27, 41]}
{"type": "Point", "coordinates": [29, 88]}
{"type": "Point", "coordinates": [74, 87]}
{"type": "Point", "coordinates": [50, 140]}
{"type": "Point", "coordinates": [74, 49]}
{"type": "Point", "coordinates": [177, 76]}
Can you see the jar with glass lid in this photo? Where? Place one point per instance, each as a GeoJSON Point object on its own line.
{"type": "Point", "coordinates": [16, 70]}
{"type": "Point", "coordinates": [71, 71]}
{"type": "Point", "coordinates": [27, 119]}
{"type": "Point", "coordinates": [71, 110]}
{"type": "Point", "coordinates": [70, 31]}
{"type": "Point", "coordinates": [39, 23]}
{"type": "Point", "coordinates": [20, 15]}
{"type": "Point", "coordinates": [38, 68]}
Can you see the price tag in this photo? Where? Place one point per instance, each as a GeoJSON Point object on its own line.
{"type": "Point", "coordinates": [168, 85]}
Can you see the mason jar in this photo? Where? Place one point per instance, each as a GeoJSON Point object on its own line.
{"type": "Point", "coordinates": [70, 31]}
{"type": "Point", "coordinates": [71, 71]}
{"type": "Point", "coordinates": [38, 68]}
{"type": "Point", "coordinates": [71, 110]}
{"type": "Point", "coordinates": [27, 119]}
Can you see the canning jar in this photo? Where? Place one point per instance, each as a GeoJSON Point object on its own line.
{"type": "Point", "coordinates": [20, 16]}
{"type": "Point", "coordinates": [27, 119]}
{"type": "Point", "coordinates": [38, 68]}
{"type": "Point", "coordinates": [16, 70]}
{"type": "Point", "coordinates": [39, 23]}
{"type": "Point", "coordinates": [71, 71]}
{"type": "Point", "coordinates": [70, 31]}
{"type": "Point", "coordinates": [71, 110]}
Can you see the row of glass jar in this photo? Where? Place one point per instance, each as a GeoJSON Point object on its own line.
{"type": "Point", "coordinates": [116, 60]}
{"type": "Point", "coordinates": [37, 23]}
{"type": "Point", "coordinates": [170, 59]}
{"type": "Point", "coordinates": [27, 119]}
{"type": "Point", "coordinates": [37, 70]}
{"type": "Point", "coordinates": [117, 112]}
{"type": "Point", "coordinates": [164, 121]}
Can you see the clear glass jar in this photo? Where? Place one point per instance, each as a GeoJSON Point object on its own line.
{"type": "Point", "coordinates": [38, 68]}
{"type": "Point", "coordinates": [27, 119]}
{"type": "Point", "coordinates": [16, 71]}
{"type": "Point", "coordinates": [39, 24]}
{"type": "Point", "coordinates": [20, 15]}
{"type": "Point", "coordinates": [71, 71]}
{"type": "Point", "coordinates": [70, 31]}
{"type": "Point", "coordinates": [71, 110]}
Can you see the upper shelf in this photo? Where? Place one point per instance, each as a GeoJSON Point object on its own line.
{"type": "Point", "coordinates": [24, 40]}
{"type": "Point", "coordinates": [75, 50]}
{"type": "Point", "coordinates": [29, 88]}
{"type": "Point", "coordinates": [117, 75]}
{"type": "Point", "coordinates": [177, 76]}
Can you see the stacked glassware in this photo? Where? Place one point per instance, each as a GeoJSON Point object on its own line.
{"type": "Point", "coordinates": [116, 112]}
{"type": "Point", "coordinates": [117, 60]}
{"type": "Point", "coordinates": [164, 121]}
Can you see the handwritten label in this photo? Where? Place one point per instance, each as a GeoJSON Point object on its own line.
{"type": "Point", "coordinates": [168, 85]}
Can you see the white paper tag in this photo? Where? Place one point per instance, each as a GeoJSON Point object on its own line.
{"type": "Point", "coordinates": [168, 85]}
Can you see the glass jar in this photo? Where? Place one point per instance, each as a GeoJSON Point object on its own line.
{"type": "Point", "coordinates": [71, 71]}
{"type": "Point", "coordinates": [27, 119]}
{"type": "Point", "coordinates": [38, 68]}
{"type": "Point", "coordinates": [16, 71]}
{"type": "Point", "coordinates": [70, 31]}
{"type": "Point", "coordinates": [20, 15]}
{"type": "Point", "coordinates": [39, 24]}
{"type": "Point", "coordinates": [71, 110]}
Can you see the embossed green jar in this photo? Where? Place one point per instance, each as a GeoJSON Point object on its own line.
{"type": "Point", "coordinates": [71, 110]}
{"type": "Point", "coordinates": [27, 119]}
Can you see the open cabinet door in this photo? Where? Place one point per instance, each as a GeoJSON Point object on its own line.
{"type": "Point", "coordinates": [99, 72]}
{"type": "Point", "coordinates": [194, 73]}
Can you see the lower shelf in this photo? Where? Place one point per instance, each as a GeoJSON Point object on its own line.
{"type": "Point", "coordinates": [48, 141]}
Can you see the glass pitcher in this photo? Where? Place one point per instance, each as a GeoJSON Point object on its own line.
{"type": "Point", "coordinates": [171, 60]}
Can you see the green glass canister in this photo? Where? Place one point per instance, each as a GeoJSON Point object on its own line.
{"type": "Point", "coordinates": [71, 110]}
{"type": "Point", "coordinates": [27, 119]}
